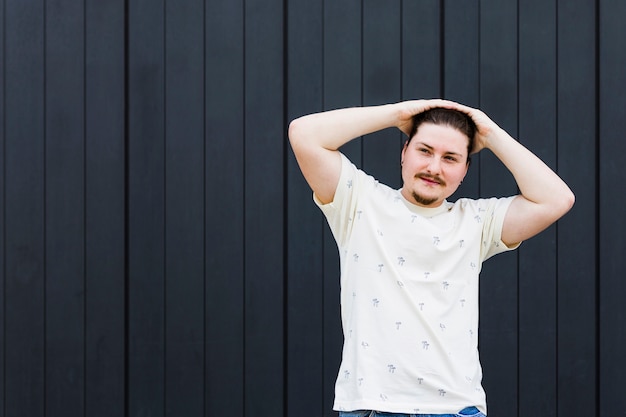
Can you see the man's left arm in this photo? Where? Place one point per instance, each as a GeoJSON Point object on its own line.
{"type": "Point", "coordinates": [544, 196]}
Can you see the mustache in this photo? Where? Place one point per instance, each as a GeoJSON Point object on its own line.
{"type": "Point", "coordinates": [435, 178]}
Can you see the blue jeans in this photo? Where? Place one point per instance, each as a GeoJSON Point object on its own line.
{"type": "Point", "coordinates": [466, 412]}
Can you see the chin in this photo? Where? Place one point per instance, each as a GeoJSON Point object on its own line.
{"type": "Point", "coordinates": [424, 200]}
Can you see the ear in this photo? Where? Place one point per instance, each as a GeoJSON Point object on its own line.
{"type": "Point", "coordinates": [406, 145]}
{"type": "Point", "coordinates": [466, 168]}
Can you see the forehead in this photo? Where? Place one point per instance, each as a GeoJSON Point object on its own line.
{"type": "Point", "coordinates": [441, 137]}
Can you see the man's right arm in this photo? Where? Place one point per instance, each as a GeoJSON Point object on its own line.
{"type": "Point", "coordinates": [316, 138]}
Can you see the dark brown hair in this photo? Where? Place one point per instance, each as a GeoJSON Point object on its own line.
{"type": "Point", "coordinates": [447, 117]}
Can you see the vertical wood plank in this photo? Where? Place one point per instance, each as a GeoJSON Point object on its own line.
{"type": "Point", "coordinates": [224, 201]}
{"type": "Point", "coordinates": [146, 211]}
{"type": "Point", "coordinates": [342, 88]}
{"type": "Point", "coordinates": [577, 263]}
{"type": "Point", "coordinates": [24, 208]}
{"type": "Point", "coordinates": [3, 274]}
{"type": "Point", "coordinates": [421, 49]}
{"type": "Point", "coordinates": [184, 208]}
{"type": "Point", "coordinates": [611, 246]}
{"type": "Point", "coordinates": [264, 207]}
{"type": "Point", "coordinates": [460, 80]}
{"type": "Point", "coordinates": [498, 78]}
{"type": "Point", "coordinates": [64, 208]}
{"type": "Point", "coordinates": [104, 209]}
{"type": "Point", "coordinates": [537, 257]}
{"type": "Point", "coordinates": [498, 98]}
{"type": "Point", "coordinates": [460, 55]}
{"type": "Point", "coordinates": [305, 381]}
{"type": "Point", "coordinates": [382, 77]}
{"type": "Point", "coordinates": [343, 58]}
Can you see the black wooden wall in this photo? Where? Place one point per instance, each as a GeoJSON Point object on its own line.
{"type": "Point", "coordinates": [160, 253]}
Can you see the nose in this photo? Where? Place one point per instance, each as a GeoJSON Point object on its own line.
{"type": "Point", "coordinates": [434, 166]}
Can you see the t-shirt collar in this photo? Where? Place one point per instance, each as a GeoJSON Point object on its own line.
{"type": "Point", "coordinates": [425, 211]}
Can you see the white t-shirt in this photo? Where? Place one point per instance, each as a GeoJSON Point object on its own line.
{"type": "Point", "coordinates": [409, 296]}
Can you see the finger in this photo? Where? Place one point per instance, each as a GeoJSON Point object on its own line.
{"type": "Point", "coordinates": [420, 106]}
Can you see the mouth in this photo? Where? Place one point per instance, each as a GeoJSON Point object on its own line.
{"type": "Point", "coordinates": [430, 179]}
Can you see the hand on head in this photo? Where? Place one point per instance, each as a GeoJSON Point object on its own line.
{"type": "Point", "coordinates": [485, 127]}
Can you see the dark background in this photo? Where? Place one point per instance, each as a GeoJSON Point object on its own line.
{"type": "Point", "coordinates": [161, 254]}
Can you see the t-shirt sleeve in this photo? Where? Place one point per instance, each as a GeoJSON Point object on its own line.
{"type": "Point", "coordinates": [339, 212]}
{"type": "Point", "coordinates": [495, 209]}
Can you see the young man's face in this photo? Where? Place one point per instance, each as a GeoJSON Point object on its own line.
{"type": "Point", "coordinates": [434, 163]}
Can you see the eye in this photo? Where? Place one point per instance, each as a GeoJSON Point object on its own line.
{"type": "Point", "coordinates": [424, 150]}
{"type": "Point", "coordinates": [451, 158]}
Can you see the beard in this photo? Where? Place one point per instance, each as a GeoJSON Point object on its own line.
{"type": "Point", "coordinates": [421, 200]}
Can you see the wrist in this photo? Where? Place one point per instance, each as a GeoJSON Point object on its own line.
{"type": "Point", "coordinates": [496, 137]}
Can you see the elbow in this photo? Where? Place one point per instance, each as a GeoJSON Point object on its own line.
{"type": "Point", "coordinates": [296, 131]}
{"type": "Point", "coordinates": [569, 199]}
{"type": "Point", "coordinates": [302, 135]}
{"type": "Point", "coordinates": [295, 134]}
{"type": "Point", "coordinates": [560, 203]}
{"type": "Point", "coordinates": [566, 202]}
{"type": "Point", "coordinates": [292, 131]}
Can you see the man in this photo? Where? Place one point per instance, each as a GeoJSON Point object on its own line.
{"type": "Point", "coordinates": [409, 258]}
